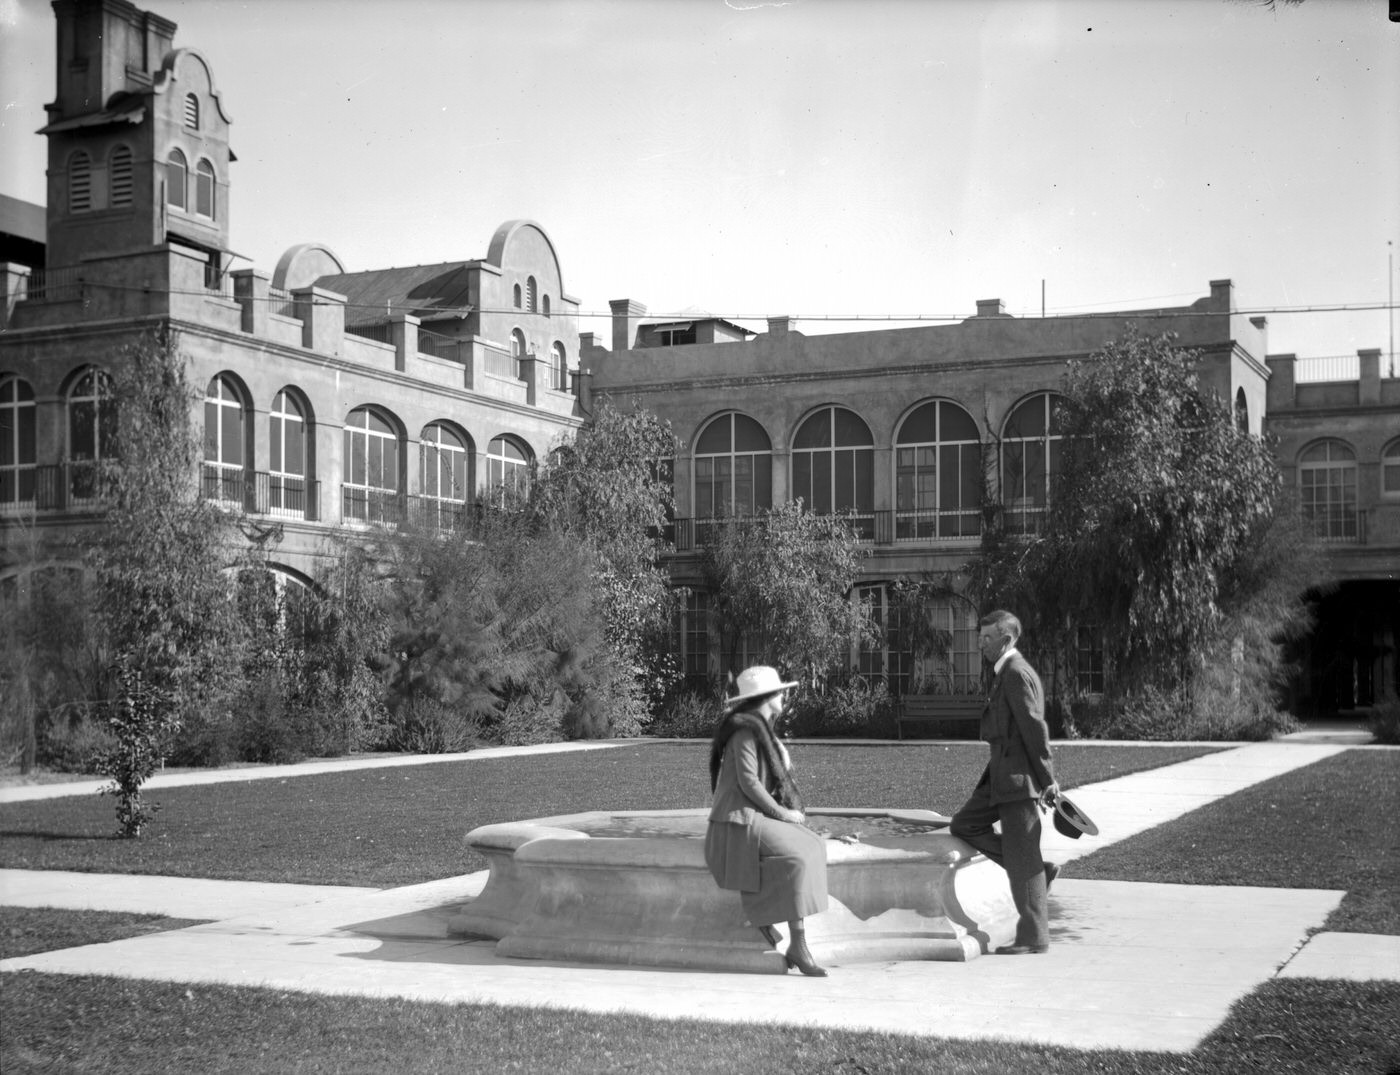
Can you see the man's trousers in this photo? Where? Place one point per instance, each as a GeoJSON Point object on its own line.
{"type": "Point", "coordinates": [1016, 850]}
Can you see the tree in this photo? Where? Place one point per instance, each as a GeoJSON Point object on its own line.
{"type": "Point", "coordinates": [780, 582]}
{"type": "Point", "coordinates": [610, 488]}
{"type": "Point", "coordinates": [1167, 536]}
{"type": "Point", "coordinates": [161, 598]}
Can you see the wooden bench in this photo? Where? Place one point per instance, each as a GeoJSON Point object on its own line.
{"type": "Point", "coordinates": [922, 707]}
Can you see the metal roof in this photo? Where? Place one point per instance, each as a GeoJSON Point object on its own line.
{"type": "Point", "coordinates": [425, 291]}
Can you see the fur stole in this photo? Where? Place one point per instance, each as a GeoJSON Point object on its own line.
{"type": "Point", "coordinates": [780, 783]}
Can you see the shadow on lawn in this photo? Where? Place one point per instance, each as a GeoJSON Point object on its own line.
{"type": "Point", "coordinates": [52, 837]}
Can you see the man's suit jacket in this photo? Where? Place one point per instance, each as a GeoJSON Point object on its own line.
{"type": "Point", "coordinates": [1013, 723]}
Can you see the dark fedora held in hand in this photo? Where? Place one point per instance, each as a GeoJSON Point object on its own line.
{"type": "Point", "coordinates": [1072, 821]}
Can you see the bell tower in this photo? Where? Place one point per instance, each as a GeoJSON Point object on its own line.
{"type": "Point", "coordinates": [138, 139]}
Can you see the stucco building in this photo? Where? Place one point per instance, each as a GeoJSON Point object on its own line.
{"type": "Point", "coordinates": [331, 397]}
{"type": "Point", "coordinates": [893, 428]}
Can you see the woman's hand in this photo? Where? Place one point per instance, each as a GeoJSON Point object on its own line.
{"type": "Point", "coordinates": [797, 817]}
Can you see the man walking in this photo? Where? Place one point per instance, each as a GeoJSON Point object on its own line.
{"type": "Point", "coordinates": [1019, 776]}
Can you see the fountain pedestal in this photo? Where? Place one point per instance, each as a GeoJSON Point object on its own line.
{"type": "Point", "coordinates": [566, 888]}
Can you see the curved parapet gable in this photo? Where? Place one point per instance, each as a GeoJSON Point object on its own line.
{"type": "Point", "coordinates": [496, 254]}
{"type": "Point", "coordinates": [182, 63]}
{"type": "Point", "coordinates": [304, 264]}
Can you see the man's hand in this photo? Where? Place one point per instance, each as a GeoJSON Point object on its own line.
{"type": "Point", "coordinates": [1050, 794]}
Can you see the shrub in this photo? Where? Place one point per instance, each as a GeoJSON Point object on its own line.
{"type": "Point", "coordinates": [527, 720]}
{"type": "Point", "coordinates": [1152, 713]}
{"type": "Point", "coordinates": [423, 725]}
{"type": "Point", "coordinates": [843, 707]}
{"type": "Point", "coordinates": [1384, 723]}
{"type": "Point", "coordinates": [687, 715]}
{"type": "Point", "coordinates": [71, 741]}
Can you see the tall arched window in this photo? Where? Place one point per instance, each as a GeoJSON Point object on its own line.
{"type": "Point", "coordinates": [544, 305]}
{"type": "Point", "coordinates": [560, 361]}
{"type": "Point", "coordinates": [119, 177]}
{"type": "Point", "coordinates": [1327, 486]}
{"type": "Point", "coordinates": [192, 111]}
{"type": "Point", "coordinates": [17, 444]}
{"type": "Point", "coordinates": [530, 295]}
{"type": "Point", "coordinates": [92, 433]}
{"type": "Point", "coordinates": [1241, 411]}
{"type": "Point", "coordinates": [938, 474]}
{"type": "Point", "coordinates": [177, 173]}
{"type": "Point", "coordinates": [223, 441]}
{"type": "Point", "coordinates": [507, 469]}
{"type": "Point", "coordinates": [517, 352]}
{"type": "Point", "coordinates": [1031, 448]}
{"type": "Point", "coordinates": [445, 476]}
{"type": "Point", "coordinates": [833, 467]}
{"type": "Point", "coordinates": [79, 182]}
{"type": "Point", "coordinates": [287, 456]}
{"type": "Point", "coordinates": [733, 470]}
{"type": "Point", "coordinates": [204, 189]}
{"type": "Point", "coordinates": [1390, 470]}
{"type": "Point", "coordinates": [517, 296]}
{"type": "Point", "coordinates": [370, 491]}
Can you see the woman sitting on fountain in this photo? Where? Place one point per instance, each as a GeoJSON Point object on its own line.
{"type": "Point", "coordinates": [756, 842]}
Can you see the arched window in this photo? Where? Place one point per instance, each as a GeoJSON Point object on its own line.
{"type": "Point", "coordinates": [79, 182]}
{"type": "Point", "coordinates": [17, 444]}
{"type": "Point", "coordinates": [370, 491]}
{"type": "Point", "coordinates": [287, 456]}
{"type": "Point", "coordinates": [1241, 411]}
{"type": "Point", "coordinates": [1030, 461]}
{"type": "Point", "coordinates": [733, 469]}
{"type": "Point", "coordinates": [938, 474]}
{"type": "Point", "coordinates": [833, 467]}
{"type": "Point", "coordinates": [177, 173]}
{"type": "Point", "coordinates": [119, 177]}
{"type": "Point", "coordinates": [544, 305]}
{"type": "Point", "coordinates": [192, 111]}
{"type": "Point", "coordinates": [445, 477]}
{"type": "Point", "coordinates": [92, 433]}
{"type": "Point", "coordinates": [223, 441]}
{"type": "Point", "coordinates": [530, 294]}
{"type": "Point", "coordinates": [204, 190]}
{"type": "Point", "coordinates": [517, 352]}
{"type": "Point", "coordinates": [1390, 470]}
{"type": "Point", "coordinates": [517, 296]}
{"type": "Point", "coordinates": [1327, 486]}
{"type": "Point", "coordinates": [507, 469]}
{"type": "Point", "coordinates": [560, 361]}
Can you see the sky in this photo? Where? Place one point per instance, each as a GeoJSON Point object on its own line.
{"type": "Point", "coordinates": [814, 158]}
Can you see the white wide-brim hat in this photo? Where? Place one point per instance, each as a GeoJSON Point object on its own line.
{"type": "Point", "coordinates": [756, 682]}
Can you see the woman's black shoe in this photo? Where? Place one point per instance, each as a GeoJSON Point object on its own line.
{"type": "Point", "coordinates": [798, 956]}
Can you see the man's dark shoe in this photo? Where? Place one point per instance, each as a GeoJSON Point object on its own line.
{"type": "Point", "coordinates": [1022, 949]}
{"type": "Point", "coordinates": [1051, 872]}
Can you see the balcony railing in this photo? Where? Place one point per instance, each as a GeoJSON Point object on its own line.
{"type": "Point", "coordinates": [1340, 526]}
{"type": "Point", "coordinates": [932, 526]}
{"type": "Point", "coordinates": [284, 495]}
{"type": "Point", "coordinates": [367, 506]}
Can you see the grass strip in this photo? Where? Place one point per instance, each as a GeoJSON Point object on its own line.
{"type": "Point", "coordinates": [389, 827]}
{"type": "Point", "coordinates": [27, 930]}
{"type": "Point", "coordinates": [56, 1022]}
{"type": "Point", "coordinates": [1328, 825]}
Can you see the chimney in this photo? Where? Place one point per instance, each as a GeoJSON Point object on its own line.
{"type": "Point", "coordinates": [779, 326]}
{"type": "Point", "coordinates": [991, 308]}
{"type": "Point", "coordinates": [1222, 295]}
{"type": "Point", "coordinates": [626, 313]}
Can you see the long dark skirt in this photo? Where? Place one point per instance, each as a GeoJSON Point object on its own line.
{"type": "Point", "coordinates": [791, 869]}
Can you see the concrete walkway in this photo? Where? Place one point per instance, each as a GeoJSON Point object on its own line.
{"type": "Point", "coordinates": [1140, 966]}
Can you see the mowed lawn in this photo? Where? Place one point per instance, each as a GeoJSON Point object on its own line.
{"type": "Point", "coordinates": [400, 826]}
{"type": "Point", "coordinates": [1328, 825]}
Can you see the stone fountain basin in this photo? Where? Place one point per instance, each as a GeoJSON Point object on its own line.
{"type": "Point", "coordinates": [632, 887]}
